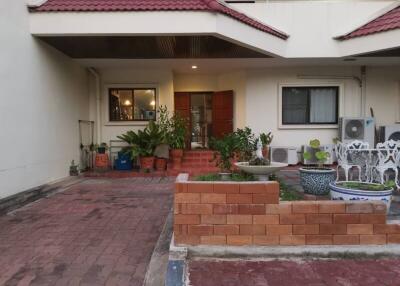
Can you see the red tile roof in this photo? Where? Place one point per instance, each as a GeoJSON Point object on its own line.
{"type": "Point", "coordinates": [386, 22]}
{"type": "Point", "coordinates": [215, 6]}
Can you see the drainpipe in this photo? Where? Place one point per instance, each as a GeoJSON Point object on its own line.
{"type": "Point", "coordinates": [98, 103]}
{"type": "Point", "coordinates": [363, 90]}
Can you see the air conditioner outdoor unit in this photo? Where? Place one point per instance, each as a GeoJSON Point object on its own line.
{"type": "Point", "coordinates": [286, 155]}
{"type": "Point", "coordinates": [330, 148]}
{"type": "Point", "coordinates": [389, 132]}
{"type": "Point", "coordinates": [357, 128]}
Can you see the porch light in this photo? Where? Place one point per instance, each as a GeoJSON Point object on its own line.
{"type": "Point", "coordinates": [194, 67]}
{"type": "Point", "coordinates": [127, 102]}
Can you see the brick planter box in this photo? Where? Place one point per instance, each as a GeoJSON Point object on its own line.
{"type": "Point", "coordinates": [249, 213]}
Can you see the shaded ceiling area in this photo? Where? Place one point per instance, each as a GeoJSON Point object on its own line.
{"type": "Point", "coordinates": [386, 53]}
{"type": "Point", "coordinates": [149, 47]}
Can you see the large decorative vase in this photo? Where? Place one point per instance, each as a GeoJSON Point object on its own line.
{"type": "Point", "coordinates": [101, 161]}
{"type": "Point", "coordinates": [316, 181]}
{"type": "Point", "coordinates": [147, 163]}
{"type": "Point", "coordinates": [343, 193]}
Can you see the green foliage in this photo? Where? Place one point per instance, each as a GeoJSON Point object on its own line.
{"type": "Point", "coordinates": [143, 142]}
{"type": "Point", "coordinates": [236, 177]}
{"type": "Point", "coordinates": [246, 143]}
{"type": "Point", "coordinates": [225, 151]}
{"type": "Point", "coordinates": [321, 156]}
{"type": "Point", "coordinates": [177, 130]}
{"type": "Point", "coordinates": [259, 162]}
{"type": "Point", "coordinates": [367, 187]}
{"type": "Point", "coordinates": [287, 193]}
{"type": "Point", "coordinates": [266, 138]}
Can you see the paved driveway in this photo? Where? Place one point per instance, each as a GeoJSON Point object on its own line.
{"type": "Point", "coordinates": [98, 232]}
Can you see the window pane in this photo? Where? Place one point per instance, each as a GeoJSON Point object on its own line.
{"type": "Point", "coordinates": [144, 104]}
{"type": "Point", "coordinates": [121, 104]}
{"type": "Point", "coordinates": [294, 105]}
{"type": "Point", "coordinates": [323, 105]}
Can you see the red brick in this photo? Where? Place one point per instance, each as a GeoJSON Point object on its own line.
{"type": "Point", "coordinates": [222, 188]}
{"type": "Point", "coordinates": [304, 207]}
{"type": "Point", "coordinates": [200, 230]}
{"type": "Point", "coordinates": [332, 207]}
{"type": "Point", "coordinates": [253, 188]}
{"type": "Point", "coordinates": [360, 229]}
{"type": "Point", "coordinates": [213, 219]}
{"type": "Point", "coordinates": [239, 219]}
{"type": "Point", "coordinates": [226, 209]}
{"type": "Point", "coordinates": [378, 207]}
{"type": "Point", "coordinates": [266, 239]}
{"type": "Point", "coordinates": [226, 229]}
{"type": "Point", "coordinates": [266, 199]}
{"type": "Point", "coordinates": [393, 238]}
{"type": "Point", "coordinates": [251, 229]}
{"type": "Point", "coordinates": [318, 218]}
{"type": "Point", "coordinates": [213, 239]}
{"type": "Point", "coordinates": [292, 219]}
{"type": "Point", "coordinates": [197, 209]}
{"type": "Point", "coordinates": [373, 218]}
{"type": "Point", "coordinates": [279, 229]}
{"type": "Point", "coordinates": [187, 239]}
{"type": "Point", "coordinates": [281, 208]}
{"type": "Point", "coordinates": [200, 188]}
{"type": "Point", "coordinates": [333, 229]}
{"type": "Point", "coordinates": [255, 209]}
{"type": "Point", "coordinates": [386, 229]}
{"type": "Point", "coordinates": [266, 219]}
{"type": "Point", "coordinates": [359, 207]}
{"type": "Point", "coordinates": [177, 208]}
{"type": "Point", "coordinates": [188, 198]}
{"type": "Point", "coordinates": [346, 239]}
{"type": "Point", "coordinates": [292, 240]}
{"type": "Point", "coordinates": [346, 218]}
{"type": "Point", "coordinates": [213, 198]}
{"type": "Point", "coordinates": [187, 219]}
{"type": "Point", "coordinates": [239, 239]}
{"type": "Point", "coordinates": [306, 229]}
{"type": "Point", "coordinates": [376, 239]}
{"type": "Point", "coordinates": [181, 187]}
{"type": "Point", "coordinates": [239, 198]}
{"type": "Point", "coordinates": [312, 239]}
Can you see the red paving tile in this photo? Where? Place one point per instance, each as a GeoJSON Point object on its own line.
{"type": "Point", "coordinates": [293, 273]}
{"type": "Point", "coordinates": [99, 232]}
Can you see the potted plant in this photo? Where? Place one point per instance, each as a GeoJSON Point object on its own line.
{"type": "Point", "coordinates": [142, 144]}
{"type": "Point", "coordinates": [102, 148]}
{"type": "Point", "coordinates": [176, 138]}
{"type": "Point", "coordinates": [316, 180]}
{"type": "Point", "coordinates": [162, 150]}
{"type": "Point", "coordinates": [224, 153]}
{"type": "Point", "coordinates": [361, 191]}
{"type": "Point", "coordinates": [73, 169]}
{"type": "Point", "coordinates": [266, 139]}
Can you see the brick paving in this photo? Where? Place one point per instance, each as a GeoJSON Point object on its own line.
{"type": "Point", "coordinates": [98, 232]}
{"type": "Point", "coordinates": [293, 273]}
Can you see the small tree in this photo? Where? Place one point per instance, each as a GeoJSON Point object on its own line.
{"type": "Point", "coordinates": [321, 156]}
{"type": "Point", "coordinates": [224, 151]}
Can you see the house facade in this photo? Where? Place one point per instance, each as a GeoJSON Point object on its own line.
{"type": "Point", "coordinates": [289, 67]}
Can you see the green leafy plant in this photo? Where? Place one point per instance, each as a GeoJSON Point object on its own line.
{"type": "Point", "coordinates": [266, 138]}
{"type": "Point", "coordinates": [163, 123]}
{"type": "Point", "coordinates": [321, 156]}
{"type": "Point", "coordinates": [236, 177]}
{"type": "Point", "coordinates": [225, 151]}
{"type": "Point", "coordinates": [367, 186]}
{"type": "Point", "coordinates": [246, 143]}
{"type": "Point", "coordinates": [143, 142]}
{"type": "Point", "coordinates": [177, 131]}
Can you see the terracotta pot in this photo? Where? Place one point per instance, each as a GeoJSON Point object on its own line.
{"type": "Point", "coordinates": [176, 153]}
{"type": "Point", "coordinates": [101, 160]}
{"type": "Point", "coordinates": [265, 152]}
{"type": "Point", "coordinates": [161, 164]}
{"type": "Point", "coordinates": [146, 163]}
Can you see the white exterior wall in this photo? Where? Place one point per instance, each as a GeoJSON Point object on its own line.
{"type": "Point", "coordinates": [43, 96]}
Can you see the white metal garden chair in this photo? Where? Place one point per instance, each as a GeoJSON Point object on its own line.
{"type": "Point", "coordinates": [388, 159]}
{"type": "Point", "coordinates": [342, 154]}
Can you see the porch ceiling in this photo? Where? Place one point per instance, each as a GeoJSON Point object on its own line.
{"type": "Point", "coordinates": [149, 47]}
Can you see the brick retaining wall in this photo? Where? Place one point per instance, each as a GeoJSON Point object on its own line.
{"type": "Point", "coordinates": [249, 213]}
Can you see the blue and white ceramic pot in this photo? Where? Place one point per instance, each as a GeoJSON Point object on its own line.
{"type": "Point", "coordinates": [346, 194]}
{"type": "Point", "coordinates": [316, 180]}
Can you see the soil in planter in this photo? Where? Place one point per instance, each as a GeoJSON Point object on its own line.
{"type": "Point", "coordinates": [235, 177]}
{"type": "Point", "coordinates": [363, 186]}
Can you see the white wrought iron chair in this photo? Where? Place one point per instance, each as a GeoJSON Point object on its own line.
{"type": "Point", "coordinates": [342, 155]}
{"type": "Point", "coordinates": [388, 158]}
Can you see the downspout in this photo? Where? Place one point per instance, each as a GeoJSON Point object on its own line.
{"type": "Point", "coordinates": [98, 103]}
{"type": "Point", "coordinates": [363, 90]}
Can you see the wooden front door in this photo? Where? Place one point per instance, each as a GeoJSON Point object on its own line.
{"type": "Point", "coordinates": [222, 113]}
{"type": "Point", "coordinates": [182, 107]}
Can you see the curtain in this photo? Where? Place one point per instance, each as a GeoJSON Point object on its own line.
{"type": "Point", "coordinates": [323, 105]}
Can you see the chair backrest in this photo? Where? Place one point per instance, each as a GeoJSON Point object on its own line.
{"type": "Point", "coordinates": [357, 145]}
{"type": "Point", "coordinates": [388, 153]}
{"type": "Point", "coordinates": [341, 152]}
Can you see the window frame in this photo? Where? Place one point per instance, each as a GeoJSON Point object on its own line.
{"type": "Point", "coordinates": [339, 107]}
{"type": "Point", "coordinates": [138, 122]}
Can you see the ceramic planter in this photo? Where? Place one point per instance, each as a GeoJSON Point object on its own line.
{"type": "Point", "coordinates": [349, 194]}
{"type": "Point", "coordinates": [161, 164]}
{"type": "Point", "coordinates": [316, 181]}
{"type": "Point", "coordinates": [147, 163]}
{"type": "Point", "coordinates": [225, 176]}
{"type": "Point", "coordinates": [176, 155]}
